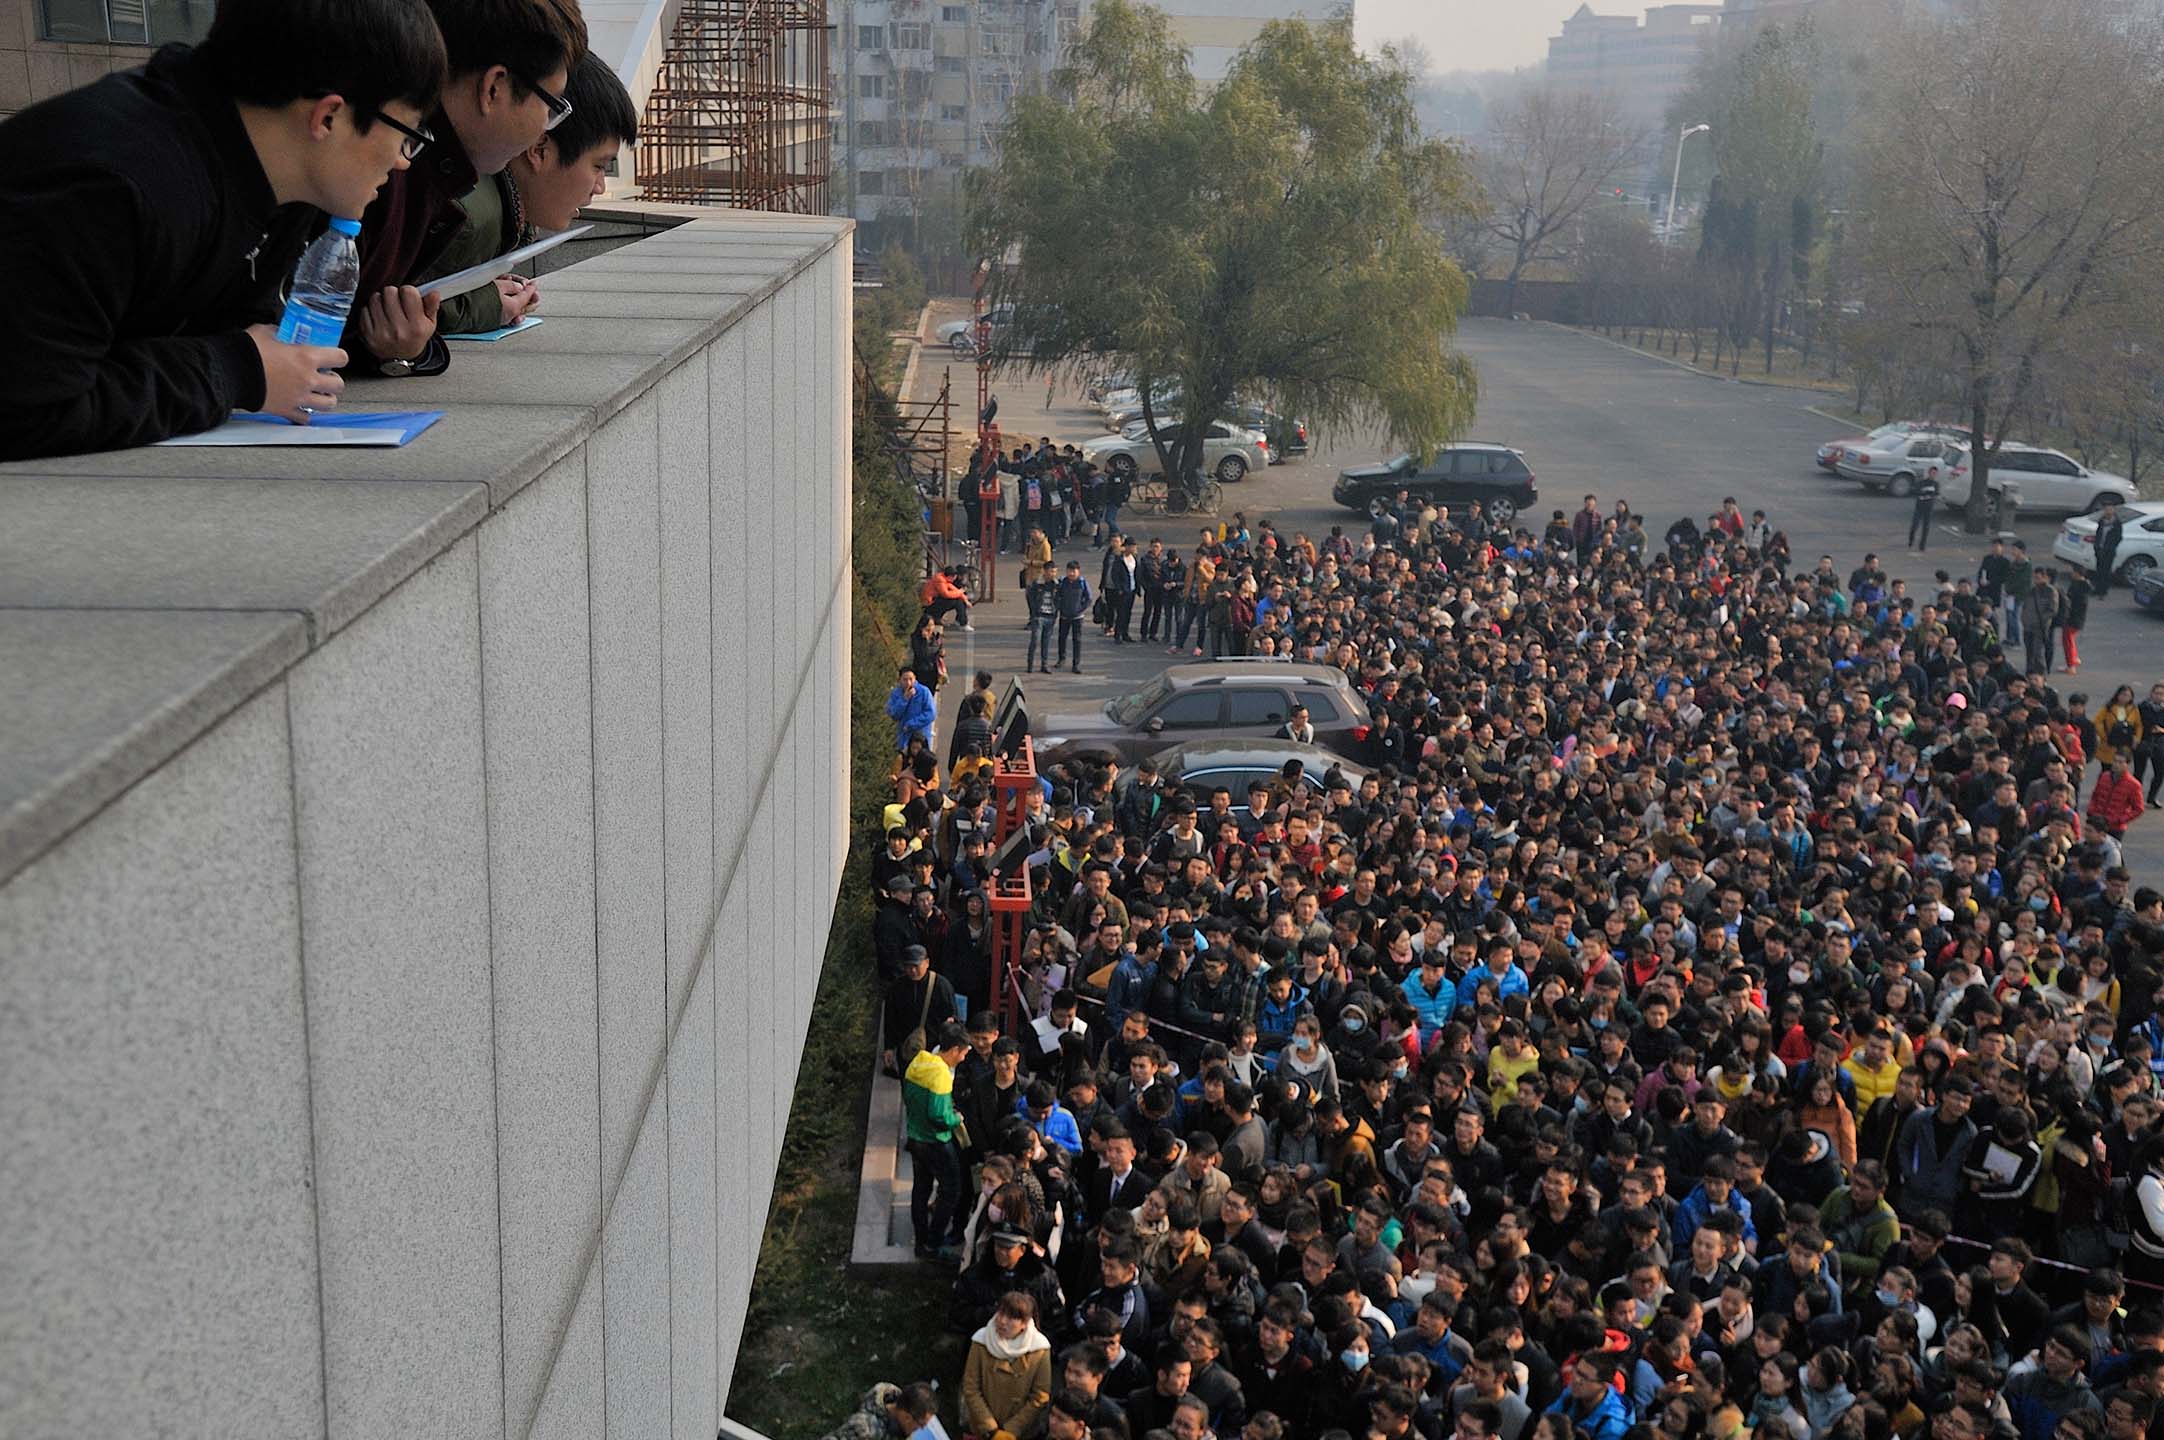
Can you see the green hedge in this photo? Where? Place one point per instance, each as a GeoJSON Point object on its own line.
{"type": "Point", "coordinates": [816, 1338]}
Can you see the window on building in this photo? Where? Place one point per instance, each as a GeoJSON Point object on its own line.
{"type": "Point", "coordinates": [871, 182]}
{"type": "Point", "coordinates": [950, 65]}
{"type": "Point", "coordinates": [954, 112]}
{"type": "Point", "coordinates": [996, 42]}
{"type": "Point", "coordinates": [871, 87]}
{"type": "Point", "coordinates": [871, 132]}
{"type": "Point", "coordinates": [954, 14]}
{"type": "Point", "coordinates": [871, 37]}
{"type": "Point", "coordinates": [912, 37]}
{"type": "Point", "coordinates": [124, 22]}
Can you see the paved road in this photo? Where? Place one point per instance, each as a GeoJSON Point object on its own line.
{"type": "Point", "coordinates": [1597, 418]}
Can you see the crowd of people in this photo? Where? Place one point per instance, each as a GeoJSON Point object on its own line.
{"type": "Point", "coordinates": [1712, 1000]}
{"type": "Point", "coordinates": [158, 214]}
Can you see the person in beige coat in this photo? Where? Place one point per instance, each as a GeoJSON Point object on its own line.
{"type": "Point", "coordinates": [1008, 1378]}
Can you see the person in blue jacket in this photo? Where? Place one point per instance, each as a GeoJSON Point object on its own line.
{"type": "Point", "coordinates": [913, 708]}
{"type": "Point", "coordinates": [1502, 969]}
{"type": "Point", "coordinates": [1052, 1121]}
{"type": "Point", "coordinates": [1716, 1191]}
{"type": "Point", "coordinates": [1591, 1403]}
{"type": "Point", "coordinates": [1429, 991]}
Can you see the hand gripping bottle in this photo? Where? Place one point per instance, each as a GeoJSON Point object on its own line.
{"type": "Point", "coordinates": [323, 286]}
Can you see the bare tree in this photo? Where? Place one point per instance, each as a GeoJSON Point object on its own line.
{"type": "Point", "coordinates": [1549, 153]}
{"type": "Point", "coordinates": [2013, 184]}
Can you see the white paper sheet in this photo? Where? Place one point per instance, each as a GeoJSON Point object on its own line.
{"type": "Point", "coordinates": [473, 277]}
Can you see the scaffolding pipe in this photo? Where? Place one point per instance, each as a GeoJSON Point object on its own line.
{"type": "Point", "coordinates": [742, 109]}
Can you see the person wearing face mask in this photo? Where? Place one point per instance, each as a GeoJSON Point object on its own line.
{"type": "Point", "coordinates": [1308, 1060]}
{"type": "Point", "coordinates": [1342, 1396]}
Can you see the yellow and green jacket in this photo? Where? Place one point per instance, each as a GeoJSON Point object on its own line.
{"type": "Point", "coordinates": [928, 1099]}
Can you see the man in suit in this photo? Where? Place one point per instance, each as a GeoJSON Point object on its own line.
{"type": "Point", "coordinates": [1119, 1183]}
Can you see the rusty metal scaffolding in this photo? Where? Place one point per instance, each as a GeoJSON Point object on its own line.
{"type": "Point", "coordinates": [742, 109]}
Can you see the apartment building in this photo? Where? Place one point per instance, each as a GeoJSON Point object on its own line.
{"type": "Point", "coordinates": [1644, 62]}
{"type": "Point", "coordinates": [921, 88]}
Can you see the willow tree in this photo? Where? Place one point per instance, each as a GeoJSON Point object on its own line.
{"type": "Point", "coordinates": [1277, 237]}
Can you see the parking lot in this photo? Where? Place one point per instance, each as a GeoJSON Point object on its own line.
{"type": "Point", "coordinates": [1591, 417]}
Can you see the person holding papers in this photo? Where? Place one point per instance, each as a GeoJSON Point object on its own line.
{"type": "Point", "coordinates": [541, 189]}
{"type": "Point", "coordinates": [153, 216]}
{"type": "Point", "coordinates": [509, 62]}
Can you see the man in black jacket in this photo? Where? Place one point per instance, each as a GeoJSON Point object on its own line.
{"type": "Point", "coordinates": [154, 216]}
{"type": "Point", "coordinates": [2110, 532]}
{"type": "Point", "coordinates": [1008, 1263]}
{"type": "Point", "coordinates": [1074, 608]}
{"type": "Point", "coordinates": [920, 1000]}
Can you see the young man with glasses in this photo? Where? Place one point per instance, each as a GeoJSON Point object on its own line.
{"type": "Point", "coordinates": [154, 216]}
{"type": "Point", "coordinates": [541, 190]}
{"type": "Point", "coordinates": [509, 63]}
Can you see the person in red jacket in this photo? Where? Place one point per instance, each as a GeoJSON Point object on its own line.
{"type": "Point", "coordinates": [2116, 800]}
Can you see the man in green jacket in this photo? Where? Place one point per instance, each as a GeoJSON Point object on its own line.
{"type": "Point", "coordinates": [540, 190]}
{"type": "Point", "coordinates": [930, 1122]}
{"type": "Point", "coordinates": [1860, 1224]}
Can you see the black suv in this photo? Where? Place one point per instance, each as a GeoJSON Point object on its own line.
{"type": "Point", "coordinates": [1495, 475]}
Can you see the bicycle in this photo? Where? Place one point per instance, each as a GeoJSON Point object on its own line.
{"type": "Point", "coordinates": [1148, 495]}
{"type": "Point", "coordinates": [1207, 498]}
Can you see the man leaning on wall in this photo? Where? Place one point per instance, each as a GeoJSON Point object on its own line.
{"type": "Point", "coordinates": [153, 217]}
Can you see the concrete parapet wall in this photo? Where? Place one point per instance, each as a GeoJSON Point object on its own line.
{"type": "Point", "coordinates": [415, 868]}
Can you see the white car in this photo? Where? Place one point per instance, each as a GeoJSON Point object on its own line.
{"type": "Point", "coordinates": [2045, 479]}
{"type": "Point", "coordinates": [1894, 463]}
{"type": "Point", "coordinates": [1127, 402]}
{"type": "Point", "coordinates": [1228, 452]}
{"type": "Point", "coordinates": [1830, 453]}
{"type": "Point", "coordinates": [960, 335]}
{"type": "Point", "coordinates": [2141, 547]}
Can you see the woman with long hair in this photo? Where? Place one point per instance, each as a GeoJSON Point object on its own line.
{"type": "Point", "coordinates": [1824, 1110]}
{"type": "Point", "coordinates": [1776, 1413]}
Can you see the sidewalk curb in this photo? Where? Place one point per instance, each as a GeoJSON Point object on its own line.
{"type": "Point", "coordinates": [879, 1183]}
{"type": "Point", "coordinates": [916, 352]}
{"type": "Point", "coordinates": [1685, 365]}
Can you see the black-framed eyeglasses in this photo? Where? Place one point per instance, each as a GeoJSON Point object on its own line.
{"type": "Point", "coordinates": [559, 108]}
{"type": "Point", "coordinates": [414, 140]}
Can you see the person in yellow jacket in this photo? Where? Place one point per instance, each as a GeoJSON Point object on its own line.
{"type": "Point", "coordinates": [1874, 1068]}
{"type": "Point", "coordinates": [2119, 718]}
{"type": "Point", "coordinates": [1007, 1380]}
{"type": "Point", "coordinates": [1036, 556]}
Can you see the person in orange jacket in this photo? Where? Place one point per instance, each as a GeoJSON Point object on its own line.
{"type": "Point", "coordinates": [942, 597]}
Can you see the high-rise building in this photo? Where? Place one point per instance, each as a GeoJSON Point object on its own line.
{"type": "Point", "coordinates": [1644, 62]}
{"type": "Point", "coordinates": [1214, 30]}
{"type": "Point", "coordinates": [922, 87]}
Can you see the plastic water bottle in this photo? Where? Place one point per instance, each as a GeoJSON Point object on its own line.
{"type": "Point", "coordinates": [323, 286]}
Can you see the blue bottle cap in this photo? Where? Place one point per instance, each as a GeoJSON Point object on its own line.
{"type": "Point", "coordinates": [346, 227]}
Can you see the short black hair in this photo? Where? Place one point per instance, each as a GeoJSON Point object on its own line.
{"type": "Point", "coordinates": [601, 110]}
{"type": "Point", "coordinates": [529, 38]}
{"type": "Point", "coordinates": [370, 52]}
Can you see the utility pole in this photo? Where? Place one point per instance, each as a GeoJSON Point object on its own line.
{"type": "Point", "coordinates": [1668, 233]}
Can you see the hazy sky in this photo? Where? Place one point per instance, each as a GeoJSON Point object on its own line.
{"type": "Point", "coordinates": [1475, 34]}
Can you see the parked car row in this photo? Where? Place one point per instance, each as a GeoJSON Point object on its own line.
{"type": "Point", "coordinates": [1895, 458]}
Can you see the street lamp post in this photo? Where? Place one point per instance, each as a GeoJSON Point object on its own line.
{"type": "Point", "coordinates": [1668, 234]}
